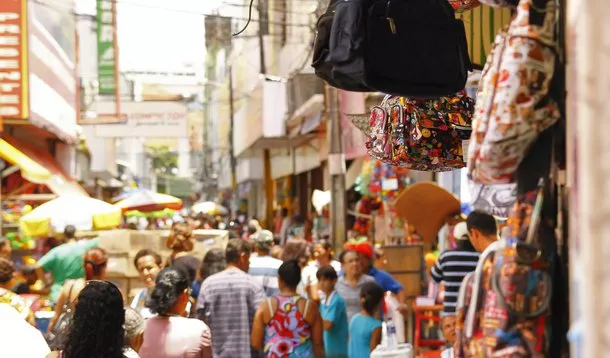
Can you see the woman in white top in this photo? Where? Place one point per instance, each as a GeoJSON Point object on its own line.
{"type": "Point", "coordinates": [323, 255]}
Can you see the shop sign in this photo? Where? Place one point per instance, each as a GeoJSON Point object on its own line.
{"type": "Point", "coordinates": [106, 59]}
{"type": "Point", "coordinates": [13, 59]}
{"type": "Point", "coordinates": [146, 119]}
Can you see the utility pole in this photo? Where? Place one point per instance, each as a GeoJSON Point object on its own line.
{"type": "Point", "coordinates": [231, 140]}
{"type": "Point", "coordinates": [336, 169]}
{"type": "Point", "coordinates": [268, 181]}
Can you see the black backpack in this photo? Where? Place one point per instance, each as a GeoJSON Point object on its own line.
{"type": "Point", "coordinates": [415, 48]}
{"type": "Point", "coordinates": [338, 53]}
{"type": "Point", "coordinates": [321, 45]}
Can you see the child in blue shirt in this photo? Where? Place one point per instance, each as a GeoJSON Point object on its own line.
{"type": "Point", "coordinates": [334, 314]}
{"type": "Point", "coordinates": [365, 328]}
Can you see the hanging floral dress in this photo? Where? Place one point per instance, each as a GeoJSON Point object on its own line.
{"type": "Point", "coordinates": [287, 335]}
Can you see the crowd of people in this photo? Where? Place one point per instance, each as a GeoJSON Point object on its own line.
{"type": "Point", "coordinates": [257, 297]}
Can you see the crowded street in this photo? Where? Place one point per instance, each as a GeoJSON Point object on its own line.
{"type": "Point", "coordinates": [304, 179]}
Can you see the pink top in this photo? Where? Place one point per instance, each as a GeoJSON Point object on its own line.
{"type": "Point", "coordinates": [176, 337]}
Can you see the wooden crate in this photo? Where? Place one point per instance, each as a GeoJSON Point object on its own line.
{"type": "Point", "coordinates": [405, 264]}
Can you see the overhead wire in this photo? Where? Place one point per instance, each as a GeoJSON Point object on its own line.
{"type": "Point", "coordinates": [67, 6]}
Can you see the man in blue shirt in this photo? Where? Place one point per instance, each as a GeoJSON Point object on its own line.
{"type": "Point", "coordinates": [384, 279]}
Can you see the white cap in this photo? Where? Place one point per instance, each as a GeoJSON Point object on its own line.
{"type": "Point", "coordinates": [460, 231]}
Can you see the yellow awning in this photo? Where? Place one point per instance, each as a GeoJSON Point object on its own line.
{"type": "Point", "coordinates": [30, 170]}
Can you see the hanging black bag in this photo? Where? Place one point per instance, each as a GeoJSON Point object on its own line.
{"type": "Point", "coordinates": [338, 55]}
{"type": "Point", "coordinates": [321, 46]}
{"type": "Point", "coordinates": [415, 48]}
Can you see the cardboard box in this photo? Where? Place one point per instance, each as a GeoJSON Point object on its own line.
{"type": "Point", "coordinates": [148, 239]}
{"type": "Point", "coordinates": [115, 241]}
{"type": "Point", "coordinates": [118, 264]}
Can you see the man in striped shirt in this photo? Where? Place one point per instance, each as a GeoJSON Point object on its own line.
{"type": "Point", "coordinates": [263, 267]}
{"type": "Point", "coordinates": [229, 300]}
{"type": "Point", "coordinates": [472, 237]}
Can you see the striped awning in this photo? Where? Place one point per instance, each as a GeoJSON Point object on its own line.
{"type": "Point", "coordinates": [482, 24]}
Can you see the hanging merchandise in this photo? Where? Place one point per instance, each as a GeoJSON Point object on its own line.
{"type": "Point", "coordinates": [339, 46]}
{"type": "Point", "coordinates": [413, 48]}
{"type": "Point", "coordinates": [379, 184]}
{"type": "Point", "coordinates": [424, 135]}
{"type": "Point", "coordinates": [496, 200]}
{"type": "Point", "coordinates": [464, 5]}
{"type": "Point", "coordinates": [501, 3]}
{"type": "Point", "coordinates": [503, 306]}
{"type": "Point", "coordinates": [514, 103]}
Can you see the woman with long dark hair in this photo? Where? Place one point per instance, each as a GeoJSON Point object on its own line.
{"type": "Point", "coordinates": [96, 330]}
{"type": "Point", "coordinates": [95, 261]}
{"type": "Point", "coordinates": [170, 334]}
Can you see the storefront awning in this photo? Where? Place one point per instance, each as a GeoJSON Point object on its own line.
{"type": "Point", "coordinates": [38, 167]}
{"type": "Point", "coordinates": [30, 170]}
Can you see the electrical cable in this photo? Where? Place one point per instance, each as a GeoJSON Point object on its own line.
{"type": "Point", "coordinates": [247, 23]}
{"type": "Point", "coordinates": [67, 8]}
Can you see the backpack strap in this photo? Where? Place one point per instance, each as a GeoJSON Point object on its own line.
{"type": "Point", "coordinates": [270, 307]}
{"type": "Point", "coordinates": [69, 300]}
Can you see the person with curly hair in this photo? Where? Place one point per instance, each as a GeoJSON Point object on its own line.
{"type": "Point", "coordinates": [97, 326]}
{"type": "Point", "coordinates": [180, 241]}
{"type": "Point", "coordinates": [7, 282]}
{"type": "Point", "coordinates": [169, 334]}
{"type": "Point", "coordinates": [94, 263]}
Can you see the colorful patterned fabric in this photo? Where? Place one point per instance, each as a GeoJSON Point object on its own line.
{"type": "Point", "coordinates": [463, 5]}
{"type": "Point", "coordinates": [503, 306]}
{"type": "Point", "coordinates": [513, 104]}
{"type": "Point", "coordinates": [287, 334]}
{"type": "Point", "coordinates": [424, 135]}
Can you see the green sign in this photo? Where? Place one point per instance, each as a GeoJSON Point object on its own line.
{"type": "Point", "coordinates": [106, 62]}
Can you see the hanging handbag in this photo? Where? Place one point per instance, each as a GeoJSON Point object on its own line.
{"type": "Point", "coordinates": [464, 5]}
{"type": "Point", "coordinates": [513, 104]}
{"type": "Point", "coordinates": [415, 48]}
{"type": "Point", "coordinates": [424, 135]}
